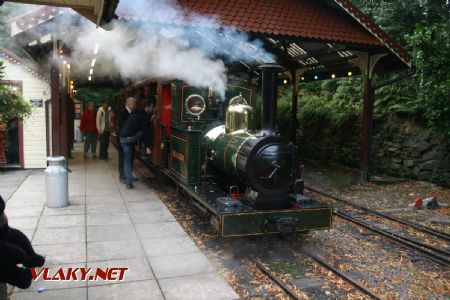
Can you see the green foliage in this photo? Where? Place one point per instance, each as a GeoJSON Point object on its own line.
{"type": "Point", "coordinates": [422, 26]}
{"type": "Point", "coordinates": [11, 101]}
{"type": "Point", "coordinates": [95, 94]}
{"type": "Point", "coordinates": [333, 102]}
{"type": "Point", "coordinates": [431, 56]}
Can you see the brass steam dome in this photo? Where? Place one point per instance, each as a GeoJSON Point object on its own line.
{"type": "Point", "coordinates": [239, 115]}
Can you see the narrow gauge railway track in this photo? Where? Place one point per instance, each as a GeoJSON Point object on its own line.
{"type": "Point", "coordinates": [292, 294]}
{"type": "Point", "coordinates": [435, 254]}
{"type": "Point", "coordinates": [278, 282]}
{"type": "Point", "coordinates": [350, 280]}
{"type": "Point", "coordinates": [436, 233]}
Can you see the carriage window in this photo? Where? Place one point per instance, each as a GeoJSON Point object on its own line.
{"type": "Point", "coordinates": [195, 105]}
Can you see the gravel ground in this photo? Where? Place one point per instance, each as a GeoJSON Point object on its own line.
{"type": "Point", "coordinates": [393, 198]}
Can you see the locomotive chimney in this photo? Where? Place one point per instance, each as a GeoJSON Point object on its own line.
{"type": "Point", "coordinates": [269, 74]}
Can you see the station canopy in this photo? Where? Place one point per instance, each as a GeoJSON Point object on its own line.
{"type": "Point", "coordinates": [318, 37]}
{"type": "Point", "coordinates": [97, 11]}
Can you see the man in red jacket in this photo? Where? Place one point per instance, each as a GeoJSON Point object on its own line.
{"type": "Point", "coordinates": [89, 128]}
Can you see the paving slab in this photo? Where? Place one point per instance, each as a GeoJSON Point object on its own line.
{"type": "Point", "coordinates": [138, 269]}
{"type": "Point", "coordinates": [146, 205]}
{"type": "Point", "coordinates": [59, 235]}
{"type": "Point", "coordinates": [179, 265]}
{"type": "Point", "coordinates": [72, 209]}
{"type": "Point", "coordinates": [77, 293]}
{"type": "Point", "coordinates": [146, 217]}
{"type": "Point", "coordinates": [162, 229]}
{"type": "Point", "coordinates": [193, 288]}
{"type": "Point", "coordinates": [55, 221]}
{"type": "Point", "coordinates": [25, 201]}
{"type": "Point", "coordinates": [24, 222]}
{"type": "Point", "coordinates": [95, 199]}
{"type": "Point", "coordinates": [101, 233]}
{"type": "Point", "coordinates": [108, 226]}
{"type": "Point", "coordinates": [8, 191]}
{"type": "Point", "coordinates": [98, 251]}
{"type": "Point", "coordinates": [19, 212]}
{"type": "Point", "coordinates": [10, 181]}
{"type": "Point", "coordinates": [140, 290]}
{"type": "Point", "coordinates": [107, 219]}
{"type": "Point", "coordinates": [56, 254]}
{"type": "Point", "coordinates": [169, 245]}
{"type": "Point", "coordinates": [106, 208]}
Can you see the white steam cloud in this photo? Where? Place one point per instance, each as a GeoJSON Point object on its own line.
{"type": "Point", "coordinates": [137, 53]}
{"type": "Point", "coordinates": [151, 45]}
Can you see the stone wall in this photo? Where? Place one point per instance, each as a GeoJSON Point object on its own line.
{"type": "Point", "coordinates": [400, 149]}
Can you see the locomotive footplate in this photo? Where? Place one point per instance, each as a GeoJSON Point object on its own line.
{"type": "Point", "coordinates": [312, 217]}
{"type": "Point", "coordinates": [242, 220]}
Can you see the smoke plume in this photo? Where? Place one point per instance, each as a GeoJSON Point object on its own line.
{"type": "Point", "coordinates": [150, 45]}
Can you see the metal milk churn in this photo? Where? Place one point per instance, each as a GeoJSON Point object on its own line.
{"type": "Point", "coordinates": [56, 182]}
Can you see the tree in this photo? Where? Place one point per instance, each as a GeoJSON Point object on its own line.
{"type": "Point", "coordinates": [431, 57]}
{"type": "Point", "coordinates": [423, 27]}
{"type": "Point", "coordinates": [12, 103]}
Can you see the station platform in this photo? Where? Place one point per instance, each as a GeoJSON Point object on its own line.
{"type": "Point", "coordinates": [107, 225]}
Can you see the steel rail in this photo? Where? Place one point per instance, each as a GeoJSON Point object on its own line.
{"type": "Point", "coordinates": [347, 278]}
{"type": "Point", "coordinates": [274, 279]}
{"type": "Point", "coordinates": [397, 239]}
{"type": "Point", "coordinates": [421, 228]}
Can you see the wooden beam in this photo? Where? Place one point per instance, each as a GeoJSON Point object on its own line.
{"type": "Point", "coordinates": [54, 3]}
{"type": "Point", "coordinates": [366, 62]}
{"type": "Point", "coordinates": [56, 114]}
{"type": "Point", "coordinates": [319, 52]}
{"type": "Point", "coordinates": [366, 129]}
{"type": "Point", "coordinates": [283, 58]}
{"type": "Point", "coordinates": [329, 63]}
{"type": "Point", "coordinates": [64, 143]}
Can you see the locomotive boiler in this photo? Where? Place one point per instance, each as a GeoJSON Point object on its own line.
{"type": "Point", "coordinates": [264, 163]}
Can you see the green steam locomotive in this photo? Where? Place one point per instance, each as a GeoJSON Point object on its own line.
{"type": "Point", "coordinates": [246, 181]}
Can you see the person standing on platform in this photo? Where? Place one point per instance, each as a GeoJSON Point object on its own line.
{"type": "Point", "coordinates": [89, 129]}
{"type": "Point", "coordinates": [104, 127]}
{"type": "Point", "coordinates": [122, 116]}
{"type": "Point", "coordinates": [137, 127]}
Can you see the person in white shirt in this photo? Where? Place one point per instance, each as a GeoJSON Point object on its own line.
{"type": "Point", "coordinates": [104, 129]}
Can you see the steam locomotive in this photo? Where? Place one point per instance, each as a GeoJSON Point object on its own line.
{"type": "Point", "coordinates": [247, 181]}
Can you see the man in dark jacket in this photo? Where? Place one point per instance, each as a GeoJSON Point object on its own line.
{"type": "Point", "coordinates": [15, 249]}
{"type": "Point", "coordinates": [137, 127]}
{"type": "Point", "coordinates": [122, 116]}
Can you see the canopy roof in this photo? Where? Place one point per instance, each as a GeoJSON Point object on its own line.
{"type": "Point", "coordinates": [319, 37]}
{"type": "Point", "coordinates": [98, 11]}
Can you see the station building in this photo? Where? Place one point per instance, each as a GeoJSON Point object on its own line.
{"type": "Point", "coordinates": [34, 137]}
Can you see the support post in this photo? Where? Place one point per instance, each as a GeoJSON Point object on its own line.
{"type": "Point", "coordinates": [366, 63]}
{"type": "Point", "coordinates": [366, 129]}
{"type": "Point", "coordinates": [56, 109]}
{"type": "Point", "coordinates": [64, 142]}
{"type": "Point", "coordinates": [294, 121]}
